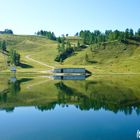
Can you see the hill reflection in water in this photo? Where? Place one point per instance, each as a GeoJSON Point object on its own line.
{"type": "Point", "coordinates": [116, 93]}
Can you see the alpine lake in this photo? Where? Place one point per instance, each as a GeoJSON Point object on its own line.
{"type": "Point", "coordinates": [99, 107]}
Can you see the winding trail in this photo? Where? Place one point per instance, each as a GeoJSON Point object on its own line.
{"type": "Point", "coordinates": [39, 62]}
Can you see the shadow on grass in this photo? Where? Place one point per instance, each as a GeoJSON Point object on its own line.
{"type": "Point", "coordinates": [22, 65]}
{"type": "Point", "coordinates": [93, 61]}
{"type": "Point", "coordinates": [23, 80]}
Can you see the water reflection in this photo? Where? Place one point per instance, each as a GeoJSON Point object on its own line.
{"type": "Point", "coordinates": [113, 95]}
{"type": "Point", "coordinates": [69, 77]}
{"type": "Point", "coordinates": [14, 85]}
{"type": "Point", "coordinates": [12, 89]}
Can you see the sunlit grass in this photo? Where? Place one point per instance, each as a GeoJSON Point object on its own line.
{"type": "Point", "coordinates": [111, 59]}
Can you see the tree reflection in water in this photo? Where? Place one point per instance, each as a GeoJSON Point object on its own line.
{"type": "Point", "coordinates": [12, 90]}
{"type": "Point", "coordinates": [84, 95]}
{"type": "Point", "coordinates": [97, 99]}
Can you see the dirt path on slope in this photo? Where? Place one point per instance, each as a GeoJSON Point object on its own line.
{"type": "Point", "coordinates": [39, 62]}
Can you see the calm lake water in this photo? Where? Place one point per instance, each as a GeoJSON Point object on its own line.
{"type": "Point", "coordinates": [98, 108]}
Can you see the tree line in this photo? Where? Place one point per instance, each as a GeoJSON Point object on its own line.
{"type": "Point", "coordinates": [109, 35]}
{"type": "Point", "coordinates": [96, 36]}
{"type": "Point", "coordinates": [13, 56]}
{"type": "Point", "coordinates": [50, 35]}
{"type": "Point", "coordinates": [7, 31]}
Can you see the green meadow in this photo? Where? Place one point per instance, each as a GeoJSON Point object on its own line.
{"type": "Point", "coordinates": [111, 57]}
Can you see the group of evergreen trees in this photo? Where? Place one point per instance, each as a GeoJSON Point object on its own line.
{"type": "Point", "coordinates": [3, 46]}
{"type": "Point", "coordinates": [48, 34]}
{"type": "Point", "coordinates": [13, 56]}
{"type": "Point", "coordinates": [138, 33]}
{"type": "Point", "coordinates": [109, 35]}
{"type": "Point", "coordinates": [6, 31]}
{"type": "Point", "coordinates": [64, 51]}
{"type": "Point", "coordinates": [60, 39]}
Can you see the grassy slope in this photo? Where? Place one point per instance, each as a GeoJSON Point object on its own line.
{"type": "Point", "coordinates": [2, 62]}
{"type": "Point", "coordinates": [39, 48]}
{"type": "Point", "coordinates": [112, 57]}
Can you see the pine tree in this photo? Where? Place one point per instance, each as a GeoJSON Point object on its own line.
{"type": "Point", "coordinates": [126, 33]}
{"type": "Point", "coordinates": [138, 33]}
{"type": "Point", "coordinates": [3, 46]}
{"type": "Point", "coordinates": [59, 48]}
{"type": "Point", "coordinates": [78, 45]}
{"type": "Point", "coordinates": [14, 57]}
{"type": "Point", "coordinates": [131, 33]}
{"type": "Point", "coordinates": [0, 45]}
{"type": "Point", "coordinates": [86, 57]}
{"type": "Point", "coordinates": [59, 40]}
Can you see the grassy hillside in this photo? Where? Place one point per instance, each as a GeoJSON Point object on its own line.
{"type": "Point", "coordinates": [39, 48]}
{"type": "Point", "coordinates": [110, 57]}
{"type": "Point", "coordinates": [2, 62]}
